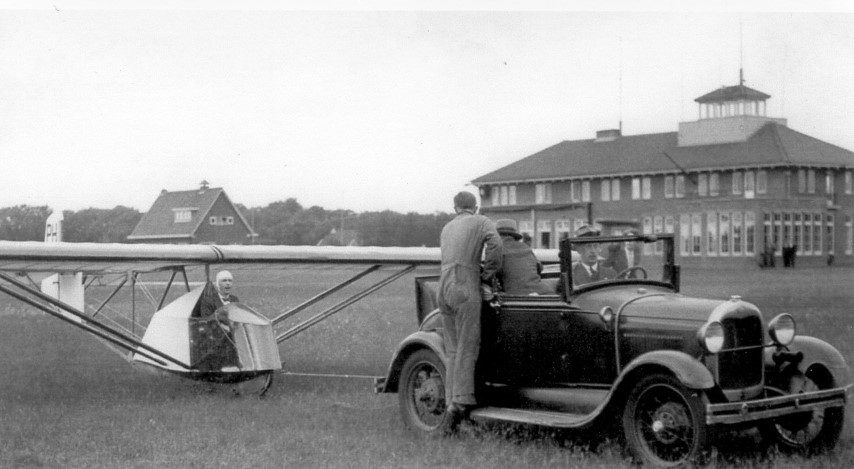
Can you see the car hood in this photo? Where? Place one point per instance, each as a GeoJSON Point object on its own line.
{"type": "Point", "coordinates": [649, 302]}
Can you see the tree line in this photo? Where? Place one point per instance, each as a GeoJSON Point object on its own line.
{"type": "Point", "coordinates": [281, 222]}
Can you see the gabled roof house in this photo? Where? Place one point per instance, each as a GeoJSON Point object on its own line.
{"type": "Point", "coordinates": [201, 216]}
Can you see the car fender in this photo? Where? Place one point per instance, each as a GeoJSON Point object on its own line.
{"type": "Point", "coordinates": [419, 340]}
{"type": "Point", "coordinates": [816, 352]}
{"type": "Point", "coordinates": [687, 369]}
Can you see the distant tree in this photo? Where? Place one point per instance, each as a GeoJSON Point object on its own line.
{"type": "Point", "coordinates": [23, 222]}
{"type": "Point", "coordinates": [97, 225]}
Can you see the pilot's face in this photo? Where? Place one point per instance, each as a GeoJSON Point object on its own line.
{"type": "Point", "coordinates": [224, 285]}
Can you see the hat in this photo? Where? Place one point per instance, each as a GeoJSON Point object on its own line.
{"type": "Point", "coordinates": [586, 230]}
{"type": "Point", "coordinates": [507, 226]}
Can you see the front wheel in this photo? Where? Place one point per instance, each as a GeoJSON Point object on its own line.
{"type": "Point", "coordinates": [807, 432]}
{"type": "Point", "coordinates": [664, 423]}
{"type": "Point", "coordinates": [422, 394]}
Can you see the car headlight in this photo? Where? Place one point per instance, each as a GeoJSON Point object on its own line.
{"type": "Point", "coordinates": [782, 329]}
{"type": "Point", "coordinates": [711, 337]}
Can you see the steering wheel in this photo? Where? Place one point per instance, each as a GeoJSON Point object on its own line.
{"type": "Point", "coordinates": [626, 272]}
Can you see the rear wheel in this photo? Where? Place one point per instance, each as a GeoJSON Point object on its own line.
{"type": "Point", "coordinates": [807, 432]}
{"type": "Point", "coordinates": [422, 394]}
{"type": "Point", "coordinates": [664, 423]}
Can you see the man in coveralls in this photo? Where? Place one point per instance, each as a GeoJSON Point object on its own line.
{"type": "Point", "coordinates": [462, 241]}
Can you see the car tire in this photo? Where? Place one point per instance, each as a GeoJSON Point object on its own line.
{"type": "Point", "coordinates": [422, 395]}
{"type": "Point", "coordinates": [807, 433]}
{"type": "Point", "coordinates": [664, 423]}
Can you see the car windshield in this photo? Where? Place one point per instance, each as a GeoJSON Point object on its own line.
{"type": "Point", "coordinates": [601, 259]}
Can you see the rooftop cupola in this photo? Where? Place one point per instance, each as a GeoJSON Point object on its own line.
{"type": "Point", "coordinates": [738, 100]}
{"type": "Point", "coordinates": [727, 114]}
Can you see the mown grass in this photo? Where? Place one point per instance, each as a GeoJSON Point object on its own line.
{"type": "Point", "coordinates": [66, 401]}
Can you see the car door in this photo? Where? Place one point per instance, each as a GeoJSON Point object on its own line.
{"type": "Point", "coordinates": [543, 341]}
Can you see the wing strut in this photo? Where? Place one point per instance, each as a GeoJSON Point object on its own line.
{"type": "Point", "coordinates": [323, 295]}
{"type": "Point", "coordinates": [166, 292]}
{"type": "Point", "coordinates": [89, 325]}
{"type": "Point", "coordinates": [334, 309]}
{"type": "Point", "coordinates": [119, 287]}
{"type": "Point", "coordinates": [86, 327]}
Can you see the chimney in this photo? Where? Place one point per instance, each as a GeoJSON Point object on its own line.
{"type": "Point", "coordinates": [203, 185]}
{"type": "Point", "coordinates": [607, 135]}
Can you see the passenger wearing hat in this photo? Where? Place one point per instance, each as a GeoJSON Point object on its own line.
{"type": "Point", "coordinates": [622, 256]}
{"type": "Point", "coordinates": [520, 269]}
{"type": "Point", "coordinates": [463, 241]}
{"type": "Point", "coordinates": [590, 269]}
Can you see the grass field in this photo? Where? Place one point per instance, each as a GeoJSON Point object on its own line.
{"type": "Point", "coordinates": [67, 401]}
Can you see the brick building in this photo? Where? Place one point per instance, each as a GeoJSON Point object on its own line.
{"type": "Point", "coordinates": [729, 184]}
{"type": "Point", "coordinates": [201, 216]}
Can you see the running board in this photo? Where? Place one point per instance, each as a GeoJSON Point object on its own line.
{"type": "Point", "coordinates": [532, 417]}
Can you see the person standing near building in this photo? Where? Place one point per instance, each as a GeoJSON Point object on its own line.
{"type": "Point", "coordinates": [462, 242]}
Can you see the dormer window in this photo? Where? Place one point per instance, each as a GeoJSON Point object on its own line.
{"type": "Point", "coordinates": [183, 215]}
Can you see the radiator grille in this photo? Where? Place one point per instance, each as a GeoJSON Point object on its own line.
{"type": "Point", "coordinates": [741, 368]}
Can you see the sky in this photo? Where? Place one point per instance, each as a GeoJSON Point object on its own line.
{"type": "Point", "coordinates": [387, 106]}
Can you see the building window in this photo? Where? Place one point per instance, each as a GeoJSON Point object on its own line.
{"type": "Point", "coordinates": [807, 234]}
{"type": "Point", "coordinates": [723, 225]}
{"type": "Point", "coordinates": [585, 191]}
{"type": "Point", "coordinates": [702, 184]}
{"type": "Point", "coordinates": [636, 188]}
{"type": "Point", "coordinates": [647, 187]}
{"type": "Point", "coordinates": [749, 232]}
{"type": "Point", "coordinates": [696, 234]}
{"type": "Point", "coordinates": [737, 233]}
{"type": "Point", "coordinates": [761, 181]}
{"type": "Point", "coordinates": [615, 189]}
{"type": "Point", "coordinates": [787, 229]}
{"type": "Point", "coordinates": [544, 227]}
{"type": "Point", "coordinates": [680, 186]}
{"type": "Point", "coordinates": [802, 181]}
{"type": "Point", "coordinates": [711, 233]}
{"type": "Point", "coordinates": [797, 232]}
{"type": "Point", "coordinates": [828, 182]}
{"type": "Point", "coordinates": [777, 234]}
{"type": "Point", "coordinates": [229, 220]}
{"type": "Point", "coordinates": [830, 236]}
{"type": "Point", "coordinates": [503, 195]}
{"type": "Point", "coordinates": [749, 185]}
{"type": "Point", "coordinates": [494, 195]}
{"type": "Point", "coordinates": [183, 215]}
{"type": "Point", "coordinates": [714, 186]}
{"type": "Point", "coordinates": [543, 193]}
{"type": "Point", "coordinates": [849, 235]}
{"type": "Point", "coordinates": [606, 189]}
{"type": "Point", "coordinates": [213, 221]}
{"type": "Point", "coordinates": [562, 229]}
{"type": "Point", "coordinates": [574, 191]}
{"type": "Point", "coordinates": [737, 182]}
{"type": "Point", "coordinates": [811, 181]}
{"type": "Point", "coordinates": [684, 234]}
{"type": "Point", "coordinates": [848, 183]}
{"type": "Point", "coordinates": [816, 233]}
{"type": "Point", "coordinates": [657, 227]}
{"type": "Point", "coordinates": [668, 187]}
{"type": "Point", "coordinates": [511, 195]}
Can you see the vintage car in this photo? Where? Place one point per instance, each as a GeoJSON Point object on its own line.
{"type": "Point", "coordinates": [630, 350]}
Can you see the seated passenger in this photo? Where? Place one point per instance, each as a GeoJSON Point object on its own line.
{"type": "Point", "coordinates": [590, 269]}
{"type": "Point", "coordinates": [520, 269]}
{"type": "Point", "coordinates": [213, 346]}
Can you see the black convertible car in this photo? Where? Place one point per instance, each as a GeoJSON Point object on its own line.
{"type": "Point", "coordinates": [634, 350]}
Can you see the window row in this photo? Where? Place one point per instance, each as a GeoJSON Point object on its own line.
{"type": "Point", "coordinates": [807, 179]}
{"type": "Point", "coordinates": [809, 233]}
{"type": "Point", "coordinates": [221, 220]}
{"type": "Point", "coordinates": [715, 233]}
